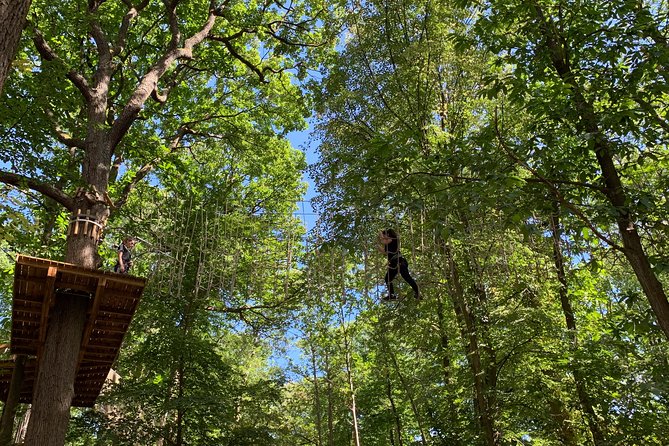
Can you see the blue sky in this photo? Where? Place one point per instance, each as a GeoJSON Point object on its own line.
{"type": "Point", "coordinates": [300, 140]}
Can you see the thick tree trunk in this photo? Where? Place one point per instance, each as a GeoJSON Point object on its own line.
{"type": "Point", "coordinates": [12, 20]}
{"type": "Point", "coordinates": [54, 385]}
{"type": "Point", "coordinates": [9, 409]}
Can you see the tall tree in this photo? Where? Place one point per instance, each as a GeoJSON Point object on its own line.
{"type": "Point", "coordinates": [587, 75]}
{"type": "Point", "coordinates": [222, 272]}
{"type": "Point", "coordinates": [119, 88]}
{"type": "Point", "coordinates": [12, 20]}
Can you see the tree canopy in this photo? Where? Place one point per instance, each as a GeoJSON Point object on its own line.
{"type": "Point", "coordinates": [518, 148]}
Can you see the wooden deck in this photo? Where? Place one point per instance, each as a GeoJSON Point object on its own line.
{"type": "Point", "coordinates": [113, 299]}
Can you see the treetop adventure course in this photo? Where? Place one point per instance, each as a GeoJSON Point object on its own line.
{"type": "Point", "coordinates": [518, 149]}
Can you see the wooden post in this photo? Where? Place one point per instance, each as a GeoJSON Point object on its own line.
{"type": "Point", "coordinates": [9, 410]}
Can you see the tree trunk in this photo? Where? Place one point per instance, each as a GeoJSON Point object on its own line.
{"type": "Point", "coordinates": [453, 438]}
{"type": "Point", "coordinates": [12, 20]}
{"type": "Point", "coordinates": [468, 331]}
{"type": "Point", "coordinates": [180, 411]}
{"type": "Point", "coordinates": [443, 342]}
{"type": "Point", "coordinates": [393, 408]}
{"type": "Point", "coordinates": [354, 409]}
{"type": "Point", "coordinates": [588, 123]}
{"type": "Point", "coordinates": [54, 384]}
{"type": "Point", "coordinates": [317, 398]}
{"type": "Point", "coordinates": [349, 375]}
{"type": "Point", "coordinates": [570, 321]}
{"type": "Point", "coordinates": [633, 249]}
{"type": "Point", "coordinates": [9, 409]}
{"type": "Point", "coordinates": [328, 379]}
{"type": "Point", "coordinates": [407, 390]}
{"type": "Point", "coordinates": [561, 416]}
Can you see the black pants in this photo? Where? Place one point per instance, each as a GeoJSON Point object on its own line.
{"type": "Point", "coordinates": [402, 266]}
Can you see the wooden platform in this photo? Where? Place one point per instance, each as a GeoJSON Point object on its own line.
{"type": "Point", "coordinates": [84, 394]}
{"type": "Point", "coordinates": [113, 299]}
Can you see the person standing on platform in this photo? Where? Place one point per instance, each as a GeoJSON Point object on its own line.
{"type": "Point", "coordinates": [124, 255]}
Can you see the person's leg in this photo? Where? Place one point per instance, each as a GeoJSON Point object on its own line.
{"type": "Point", "coordinates": [390, 276]}
{"type": "Point", "coordinates": [404, 271]}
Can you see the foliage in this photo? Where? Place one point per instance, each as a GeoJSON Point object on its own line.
{"type": "Point", "coordinates": [453, 123]}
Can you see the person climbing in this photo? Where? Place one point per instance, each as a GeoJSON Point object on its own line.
{"type": "Point", "coordinates": [390, 246]}
{"type": "Point", "coordinates": [124, 260]}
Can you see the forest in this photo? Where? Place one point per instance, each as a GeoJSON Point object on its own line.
{"type": "Point", "coordinates": [255, 149]}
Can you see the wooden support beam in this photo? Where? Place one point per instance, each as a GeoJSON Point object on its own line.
{"type": "Point", "coordinates": [92, 316]}
{"type": "Point", "coordinates": [46, 307]}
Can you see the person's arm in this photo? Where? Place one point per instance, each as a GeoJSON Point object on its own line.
{"type": "Point", "coordinates": [121, 265]}
{"type": "Point", "coordinates": [381, 245]}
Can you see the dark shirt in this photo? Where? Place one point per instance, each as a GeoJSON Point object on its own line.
{"type": "Point", "coordinates": [126, 255]}
{"type": "Point", "coordinates": [392, 250]}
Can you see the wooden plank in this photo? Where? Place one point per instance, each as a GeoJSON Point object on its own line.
{"type": "Point", "coordinates": [99, 290]}
{"type": "Point", "coordinates": [46, 307]}
{"type": "Point", "coordinates": [82, 272]}
{"type": "Point", "coordinates": [105, 312]}
{"type": "Point", "coordinates": [102, 349]}
{"type": "Point", "coordinates": [103, 330]}
{"type": "Point", "coordinates": [100, 360]}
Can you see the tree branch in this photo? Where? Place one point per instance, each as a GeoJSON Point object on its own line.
{"type": "Point", "coordinates": [274, 33]}
{"type": "Point", "coordinates": [255, 309]}
{"type": "Point", "coordinates": [93, 5]}
{"type": "Point", "coordinates": [133, 12]}
{"type": "Point", "coordinates": [161, 96]}
{"type": "Point", "coordinates": [149, 82]}
{"type": "Point", "coordinates": [227, 42]}
{"type": "Point", "coordinates": [553, 189]}
{"type": "Point", "coordinates": [22, 181]}
{"type": "Point", "coordinates": [148, 167]}
{"type": "Point", "coordinates": [652, 112]}
{"type": "Point", "coordinates": [49, 55]}
{"type": "Point", "coordinates": [62, 136]}
{"type": "Point", "coordinates": [171, 9]}
{"type": "Point", "coordinates": [104, 70]}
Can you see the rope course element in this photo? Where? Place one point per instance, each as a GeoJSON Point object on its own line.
{"type": "Point", "coordinates": [86, 224]}
{"type": "Point", "coordinates": [226, 259]}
